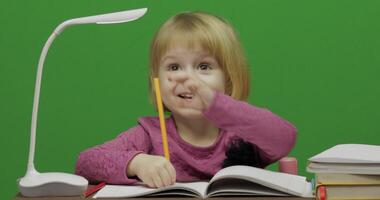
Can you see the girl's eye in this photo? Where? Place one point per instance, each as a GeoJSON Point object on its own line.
{"type": "Point", "coordinates": [173, 67]}
{"type": "Point", "coordinates": [204, 66]}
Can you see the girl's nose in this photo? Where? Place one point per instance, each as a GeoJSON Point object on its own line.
{"type": "Point", "coordinates": [182, 76]}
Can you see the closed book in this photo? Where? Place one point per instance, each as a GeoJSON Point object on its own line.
{"type": "Point", "coordinates": [347, 158]}
{"type": "Point", "coordinates": [343, 192]}
{"type": "Point", "coordinates": [346, 179]}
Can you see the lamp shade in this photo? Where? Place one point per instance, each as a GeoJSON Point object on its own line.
{"type": "Point", "coordinates": [110, 18]}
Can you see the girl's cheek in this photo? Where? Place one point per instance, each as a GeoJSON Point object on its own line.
{"type": "Point", "coordinates": [169, 77]}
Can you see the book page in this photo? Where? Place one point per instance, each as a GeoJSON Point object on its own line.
{"type": "Point", "coordinates": [193, 189]}
{"type": "Point", "coordinates": [349, 153]}
{"type": "Point", "coordinates": [232, 186]}
{"type": "Point", "coordinates": [282, 182]}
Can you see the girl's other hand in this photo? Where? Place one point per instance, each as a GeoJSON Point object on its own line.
{"type": "Point", "coordinates": [197, 86]}
{"type": "Point", "coordinates": [155, 171]}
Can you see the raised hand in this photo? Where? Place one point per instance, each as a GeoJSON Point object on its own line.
{"type": "Point", "coordinates": [197, 87]}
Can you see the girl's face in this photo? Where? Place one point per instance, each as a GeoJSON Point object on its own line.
{"type": "Point", "coordinates": [180, 68]}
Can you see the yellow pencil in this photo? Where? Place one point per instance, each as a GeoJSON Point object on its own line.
{"type": "Point", "coordinates": [162, 119]}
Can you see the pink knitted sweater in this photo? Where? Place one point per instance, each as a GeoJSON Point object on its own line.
{"type": "Point", "coordinates": [273, 136]}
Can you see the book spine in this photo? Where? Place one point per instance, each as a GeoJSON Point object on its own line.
{"type": "Point", "coordinates": [321, 192]}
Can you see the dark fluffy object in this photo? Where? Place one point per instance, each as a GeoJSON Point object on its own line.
{"type": "Point", "coordinates": [240, 152]}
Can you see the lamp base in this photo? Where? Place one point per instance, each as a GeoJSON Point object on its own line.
{"type": "Point", "coordinates": [52, 184]}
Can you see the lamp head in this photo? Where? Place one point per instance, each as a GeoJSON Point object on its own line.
{"type": "Point", "coordinates": [110, 18]}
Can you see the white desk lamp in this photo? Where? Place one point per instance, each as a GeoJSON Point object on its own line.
{"type": "Point", "coordinates": [35, 184]}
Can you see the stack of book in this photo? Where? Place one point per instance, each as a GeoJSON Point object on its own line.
{"type": "Point", "coordinates": [347, 171]}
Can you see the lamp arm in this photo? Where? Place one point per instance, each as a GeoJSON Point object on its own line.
{"type": "Point", "coordinates": [36, 100]}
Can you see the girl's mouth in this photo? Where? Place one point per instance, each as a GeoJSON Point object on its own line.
{"type": "Point", "coordinates": [185, 96]}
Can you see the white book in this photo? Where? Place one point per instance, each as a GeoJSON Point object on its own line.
{"type": "Point", "coordinates": [349, 153]}
{"type": "Point", "coordinates": [230, 181]}
{"type": "Point", "coordinates": [347, 158]}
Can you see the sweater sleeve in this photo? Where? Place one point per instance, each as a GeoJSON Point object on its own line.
{"type": "Point", "coordinates": [108, 162]}
{"type": "Point", "coordinates": [274, 136]}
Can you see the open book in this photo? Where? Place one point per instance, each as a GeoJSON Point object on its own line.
{"type": "Point", "coordinates": [230, 181]}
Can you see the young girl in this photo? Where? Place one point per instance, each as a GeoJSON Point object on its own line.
{"type": "Point", "coordinates": [204, 84]}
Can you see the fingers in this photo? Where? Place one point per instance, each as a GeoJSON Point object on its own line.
{"type": "Point", "coordinates": [166, 177]}
{"type": "Point", "coordinates": [157, 181]}
{"type": "Point", "coordinates": [188, 82]}
{"type": "Point", "coordinates": [194, 84]}
{"type": "Point", "coordinates": [184, 78]}
{"type": "Point", "coordinates": [150, 182]}
{"type": "Point", "coordinates": [161, 175]}
{"type": "Point", "coordinates": [170, 169]}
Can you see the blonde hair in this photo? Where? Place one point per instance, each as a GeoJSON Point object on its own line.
{"type": "Point", "coordinates": [214, 35]}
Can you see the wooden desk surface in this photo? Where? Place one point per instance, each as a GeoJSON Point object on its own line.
{"type": "Point", "coordinates": [20, 197]}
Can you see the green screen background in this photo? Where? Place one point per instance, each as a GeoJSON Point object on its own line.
{"type": "Point", "coordinates": [314, 63]}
